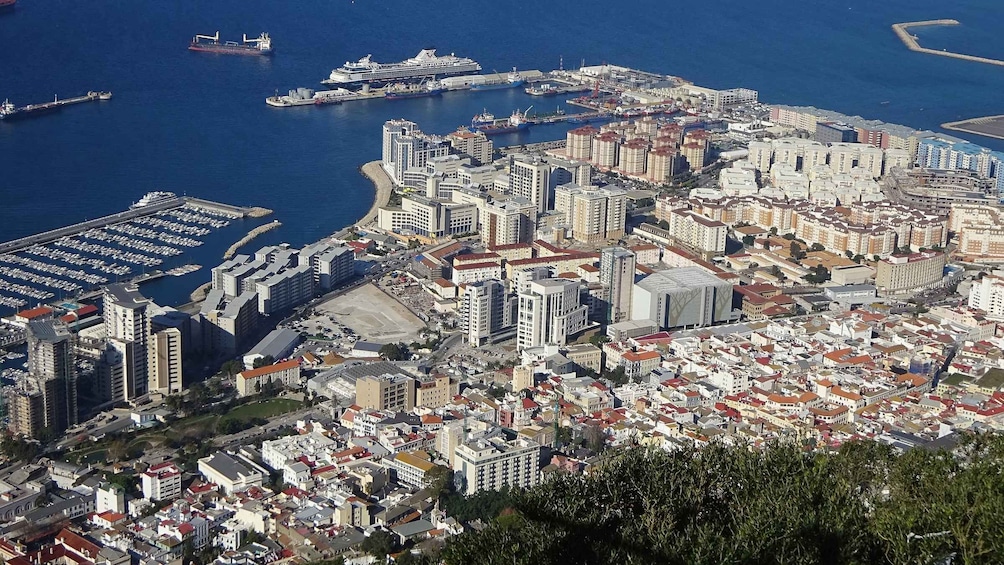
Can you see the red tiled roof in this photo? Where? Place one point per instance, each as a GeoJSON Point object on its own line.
{"type": "Point", "coordinates": [269, 369]}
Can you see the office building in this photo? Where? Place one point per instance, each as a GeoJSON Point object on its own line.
{"type": "Point", "coordinates": [687, 296]}
{"type": "Point", "coordinates": [897, 274]}
{"type": "Point", "coordinates": [429, 217]}
{"type": "Point", "coordinates": [549, 312]}
{"type": "Point", "coordinates": [595, 214]}
{"type": "Point", "coordinates": [486, 311]}
{"type": "Point", "coordinates": [528, 179]}
{"type": "Point", "coordinates": [617, 268]}
{"type": "Point", "coordinates": [493, 463]}
{"type": "Point", "coordinates": [394, 392]}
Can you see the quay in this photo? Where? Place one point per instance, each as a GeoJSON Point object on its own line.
{"type": "Point", "coordinates": [902, 31]}
{"type": "Point", "coordinates": [542, 146]}
{"type": "Point", "coordinates": [19, 244]}
{"type": "Point", "coordinates": [988, 126]}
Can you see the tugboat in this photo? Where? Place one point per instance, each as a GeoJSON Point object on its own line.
{"type": "Point", "coordinates": [403, 91]}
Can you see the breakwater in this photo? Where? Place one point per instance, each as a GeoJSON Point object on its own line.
{"type": "Point", "coordinates": [232, 250]}
{"type": "Point", "coordinates": [903, 32]}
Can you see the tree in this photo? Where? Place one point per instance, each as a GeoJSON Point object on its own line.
{"type": "Point", "coordinates": [393, 352]}
{"type": "Point", "coordinates": [773, 230]}
{"type": "Point", "coordinates": [598, 339]}
{"type": "Point", "coordinates": [663, 224]}
{"type": "Point", "coordinates": [263, 361]}
{"type": "Point", "coordinates": [232, 367]}
{"type": "Point", "coordinates": [817, 247]}
{"type": "Point", "coordinates": [379, 544]}
{"type": "Point", "coordinates": [617, 376]}
{"type": "Point", "coordinates": [796, 251]}
{"type": "Point", "coordinates": [789, 236]}
{"type": "Point", "coordinates": [438, 480]}
{"type": "Point", "coordinates": [748, 240]}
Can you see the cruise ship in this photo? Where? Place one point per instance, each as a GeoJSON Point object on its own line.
{"type": "Point", "coordinates": [151, 198]}
{"type": "Point", "coordinates": [424, 65]}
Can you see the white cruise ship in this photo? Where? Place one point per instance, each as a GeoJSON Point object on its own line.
{"type": "Point", "coordinates": [154, 198]}
{"type": "Point", "coordinates": [424, 65]}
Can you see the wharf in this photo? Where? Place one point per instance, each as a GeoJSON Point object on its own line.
{"type": "Point", "coordinates": [902, 31]}
{"type": "Point", "coordinates": [532, 147]}
{"type": "Point", "coordinates": [988, 126]}
{"type": "Point", "coordinates": [19, 244]}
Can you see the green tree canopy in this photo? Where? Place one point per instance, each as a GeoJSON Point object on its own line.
{"type": "Point", "coordinates": [863, 504]}
{"type": "Point", "coordinates": [393, 352]}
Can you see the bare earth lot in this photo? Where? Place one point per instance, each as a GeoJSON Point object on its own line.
{"type": "Point", "coordinates": [373, 315]}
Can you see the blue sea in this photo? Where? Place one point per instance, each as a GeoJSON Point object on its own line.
{"type": "Point", "coordinates": [197, 124]}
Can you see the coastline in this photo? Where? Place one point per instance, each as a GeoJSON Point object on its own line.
{"type": "Point", "coordinates": [383, 186]}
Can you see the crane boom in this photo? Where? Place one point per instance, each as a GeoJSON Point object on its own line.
{"type": "Point", "coordinates": [215, 38]}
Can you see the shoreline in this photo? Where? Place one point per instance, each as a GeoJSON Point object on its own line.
{"type": "Point", "coordinates": [383, 187]}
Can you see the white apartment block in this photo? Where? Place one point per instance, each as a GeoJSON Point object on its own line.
{"type": "Point", "coordinates": [161, 481]}
{"type": "Point", "coordinates": [987, 294]}
{"type": "Point", "coordinates": [549, 312]}
{"type": "Point", "coordinates": [493, 463]}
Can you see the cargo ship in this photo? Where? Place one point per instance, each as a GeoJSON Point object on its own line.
{"type": "Point", "coordinates": [513, 80]}
{"type": "Point", "coordinates": [543, 90]}
{"type": "Point", "coordinates": [487, 124]}
{"type": "Point", "coordinates": [424, 65]}
{"type": "Point", "coordinates": [404, 91]}
{"type": "Point", "coordinates": [260, 46]}
{"type": "Point", "coordinates": [10, 112]}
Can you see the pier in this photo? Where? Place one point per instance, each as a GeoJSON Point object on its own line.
{"type": "Point", "coordinates": [232, 250]}
{"type": "Point", "coordinates": [988, 126]}
{"type": "Point", "coordinates": [902, 31]}
{"type": "Point", "coordinates": [16, 245]}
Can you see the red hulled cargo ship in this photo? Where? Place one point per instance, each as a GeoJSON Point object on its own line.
{"type": "Point", "coordinates": [261, 46]}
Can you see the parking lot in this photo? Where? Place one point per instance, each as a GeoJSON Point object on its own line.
{"type": "Point", "coordinates": [371, 314]}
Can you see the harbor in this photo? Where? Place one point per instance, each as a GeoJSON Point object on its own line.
{"type": "Point", "coordinates": [902, 30]}
{"type": "Point", "coordinates": [142, 244]}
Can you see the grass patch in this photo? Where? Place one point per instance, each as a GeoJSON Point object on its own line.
{"type": "Point", "coordinates": [993, 379]}
{"type": "Point", "coordinates": [955, 379]}
{"type": "Point", "coordinates": [266, 409]}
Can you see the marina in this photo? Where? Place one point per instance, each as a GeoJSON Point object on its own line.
{"type": "Point", "coordinates": [139, 244]}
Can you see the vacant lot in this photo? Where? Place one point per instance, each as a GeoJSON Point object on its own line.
{"type": "Point", "coordinates": [373, 315]}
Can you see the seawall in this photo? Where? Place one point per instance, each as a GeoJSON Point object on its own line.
{"type": "Point", "coordinates": [902, 31]}
{"type": "Point", "coordinates": [383, 185]}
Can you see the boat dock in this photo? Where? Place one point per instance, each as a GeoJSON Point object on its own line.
{"type": "Point", "coordinates": [141, 244]}
{"type": "Point", "coordinates": [903, 32]}
{"type": "Point", "coordinates": [987, 126]}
